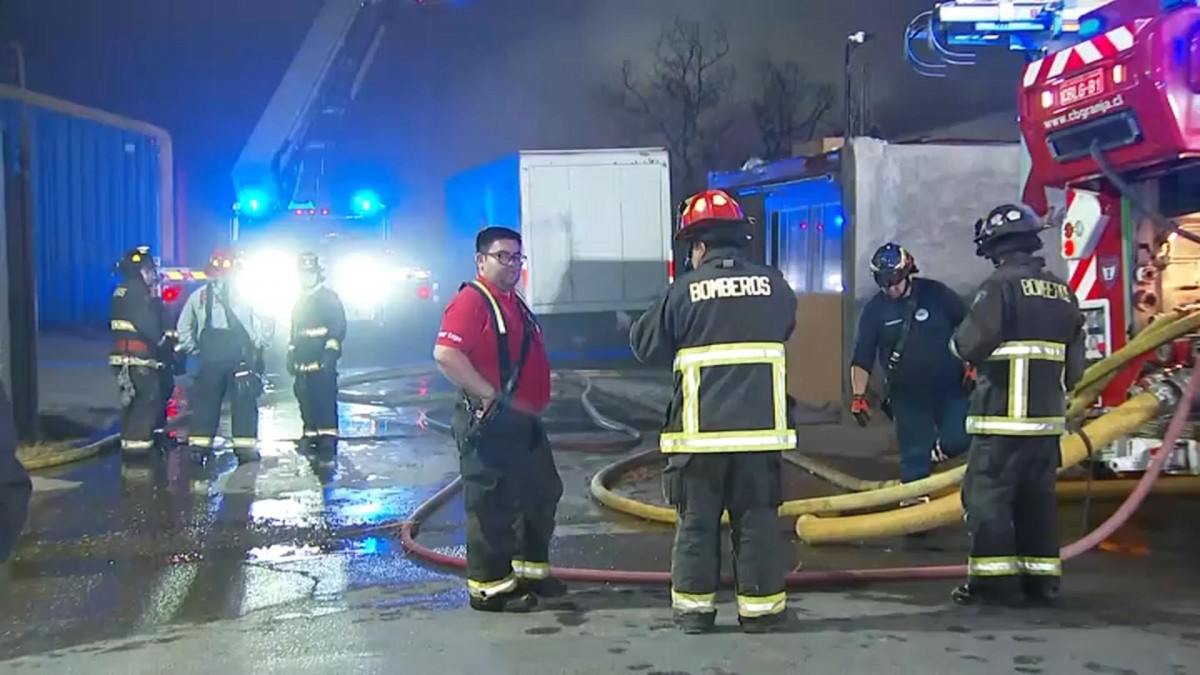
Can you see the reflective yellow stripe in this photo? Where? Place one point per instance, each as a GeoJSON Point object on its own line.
{"type": "Point", "coordinates": [244, 442]}
{"type": "Point", "coordinates": [173, 275]}
{"type": "Point", "coordinates": [320, 331]}
{"type": "Point", "coordinates": [311, 434]}
{"type": "Point", "coordinates": [327, 432]}
{"type": "Point", "coordinates": [332, 343]}
{"type": "Point", "coordinates": [954, 350]}
{"type": "Point", "coordinates": [122, 325]}
{"type": "Point", "coordinates": [488, 589]}
{"type": "Point", "coordinates": [200, 440]}
{"type": "Point", "coordinates": [496, 313]}
{"type": "Point", "coordinates": [1006, 426]}
{"type": "Point", "coordinates": [1019, 354]}
{"type": "Point", "coordinates": [750, 606]}
{"type": "Point", "coordinates": [728, 441]}
{"type": "Point", "coordinates": [1041, 567]}
{"type": "Point", "coordinates": [309, 367]}
{"type": "Point", "coordinates": [122, 360]}
{"type": "Point", "coordinates": [531, 570]}
{"type": "Point", "coordinates": [136, 445]}
{"type": "Point", "coordinates": [690, 361]}
{"type": "Point", "coordinates": [693, 602]}
{"type": "Point", "coordinates": [1034, 349]}
{"type": "Point", "coordinates": [992, 566]}
{"type": "Point", "coordinates": [197, 274]}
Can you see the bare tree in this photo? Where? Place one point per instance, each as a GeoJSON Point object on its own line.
{"type": "Point", "coordinates": [789, 107]}
{"type": "Point", "coordinates": [683, 98]}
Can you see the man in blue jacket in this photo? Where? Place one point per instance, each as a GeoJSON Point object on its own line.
{"type": "Point", "coordinates": [907, 327]}
{"type": "Point", "coordinates": [15, 489]}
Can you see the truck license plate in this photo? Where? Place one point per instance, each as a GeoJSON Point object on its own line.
{"type": "Point", "coordinates": [1081, 88]}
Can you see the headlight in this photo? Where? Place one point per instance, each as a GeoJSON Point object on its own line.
{"type": "Point", "coordinates": [361, 279]}
{"type": "Point", "coordinates": [269, 281]}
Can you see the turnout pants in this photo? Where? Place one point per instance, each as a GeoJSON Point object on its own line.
{"type": "Point", "coordinates": [316, 392]}
{"type": "Point", "coordinates": [220, 363]}
{"type": "Point", "coordinates": [140, 417]}
{"type": "Point", "coordinates": [1012, 514]}
{"type": "Point", "coordinates": [512, 489]}
{"type": "Point", "coordinates": [15, 490]}
{"type": "Point", "coordinates": [700, 487]}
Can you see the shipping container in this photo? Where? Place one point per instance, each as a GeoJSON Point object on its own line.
{"type": "Point", "coordinates": [819, 220]}
{"type": "Point", "coordinates": [102, 184]}
{"type": "Point", "coordinates": [595, 224]}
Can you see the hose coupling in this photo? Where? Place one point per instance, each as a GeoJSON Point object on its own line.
{"type": "Point", "coordinates": [1166, 386]}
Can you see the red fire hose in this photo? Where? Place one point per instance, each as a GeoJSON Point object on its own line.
{"type": "Point", "coordinates": [410, 528]}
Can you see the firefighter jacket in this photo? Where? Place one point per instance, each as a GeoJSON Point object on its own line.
{"type": "Point", "coordinates": [1024, 335]}
{"type": "Point", "coordinates": [725, 324]}
{"type": "Point", "coordinates": [318, 329]}
{"type": "Point", "coordinates": [137, 326]}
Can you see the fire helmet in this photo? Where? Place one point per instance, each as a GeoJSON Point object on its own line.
{"type": "Point", "coordinates": [220, 263]}
{"type": "Point", "coordinates": [711, 211]}
{"type": "Point", "coordinates": [310, 262]}
{"type": "Point", "coordinates": [998, 230]}
{"type": "Point", "coordinates": [136, 260]}
{"type": "Point", "coordinates": [891, 264]}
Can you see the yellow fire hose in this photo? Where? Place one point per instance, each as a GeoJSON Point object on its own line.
{"type": "Point", "coordinates": [947, 510]}
{"type": "Point", "coordinates": [1117, 423]}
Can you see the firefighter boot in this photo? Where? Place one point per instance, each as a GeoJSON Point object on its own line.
{"type": "Point", "coordinates": [326, 449]}
{"type": "Point", "coordinates": [307, 446]}
{"type": "Point", "coordinates": [695, 623]}
{"type": "Point", "coordinates": [763, 624]}
{"type": "Point", "coordinates": [545, 588]}
{"type": "Point", "coordinates": [517, 602]}
{"type": "Point", "coordinates": [966, 596]}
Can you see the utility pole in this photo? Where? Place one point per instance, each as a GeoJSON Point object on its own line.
{"type": "Point", "coordinates": [853, 117]}
{"type": "Point", "coordinates": [22, 285]}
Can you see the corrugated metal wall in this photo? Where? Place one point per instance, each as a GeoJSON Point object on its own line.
{"type": "Point", "coordinates": [101, 185]}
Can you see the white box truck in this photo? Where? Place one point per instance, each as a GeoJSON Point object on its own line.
{"type": "Point", "coordinates": [595, 224]}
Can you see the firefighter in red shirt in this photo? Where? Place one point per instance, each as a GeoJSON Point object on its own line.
{"type": "Point", "coordinates": [491, 346]}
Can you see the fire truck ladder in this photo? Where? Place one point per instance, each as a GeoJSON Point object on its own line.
{"type": "Point", "coordinates": [282, 157]}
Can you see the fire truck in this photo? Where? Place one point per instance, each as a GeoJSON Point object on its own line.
{"type": "Point", "coordinates": [285, 204]}
{"type": "Point", "coordinates": [1109, 114]}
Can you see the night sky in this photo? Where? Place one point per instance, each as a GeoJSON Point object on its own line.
{"type": "Point", "coordinates": [456, 83]}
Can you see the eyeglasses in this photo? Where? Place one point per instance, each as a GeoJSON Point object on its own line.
{"type": "Point", "coordinates": [507, 258]}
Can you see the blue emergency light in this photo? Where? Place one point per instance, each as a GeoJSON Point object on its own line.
{"type": "Point", "coordinates": [366, 202]}
{"type": "Point", "coordinates": [254, 201]}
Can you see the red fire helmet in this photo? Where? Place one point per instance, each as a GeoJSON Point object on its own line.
{"type": "Point", "coordinates": [707, 209]}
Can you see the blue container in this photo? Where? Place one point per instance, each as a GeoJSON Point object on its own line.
{"type": "Point", "coordinates": [101, 186]}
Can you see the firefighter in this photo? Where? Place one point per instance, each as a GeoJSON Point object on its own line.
{"type": "Point", "coordinates": [906, 328]}
{"type": "Point", "coordinates": [490, 345]}
{"type": "Point", "coordinates": [1024, 334]}
{"type": "Point", "coordinates": [318, 330]}
{"type": "Point", "coordinates": [218, 326]}
{"type": "Point", "coordinates": [138, 338]}
{"type": "Point", "coordinates": [724, 322]}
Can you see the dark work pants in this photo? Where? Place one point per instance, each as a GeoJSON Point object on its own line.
{"type": "Point", "coordinates": [512, 489]}
{"type": "Point", "coordinates": [215, 380]}
{"type": "Point", "coordinates": [1012, 514]}
{"type": "Point", "coordinates": [701, 487]}
{"type": "Point", "coordinates": [923, 421]}
{"type": "Point", "coordinates": [140, 417]}
{"type": "Point", "coordinates": [316, 392]}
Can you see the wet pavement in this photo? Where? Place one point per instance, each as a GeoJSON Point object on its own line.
{"type": "Point", "coordinates": [162, 566]}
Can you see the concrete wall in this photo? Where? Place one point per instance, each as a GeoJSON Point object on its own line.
{"type": "Point", "coordinates": [927, 198]}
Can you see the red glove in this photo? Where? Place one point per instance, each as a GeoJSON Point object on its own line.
{"type": "Point", "coordinates": [861, 410]}
{"type": "Point", "coordinates": [969, 378]}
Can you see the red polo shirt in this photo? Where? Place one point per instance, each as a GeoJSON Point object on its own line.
{"type": "Point", "coordinates": [468, 327]}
